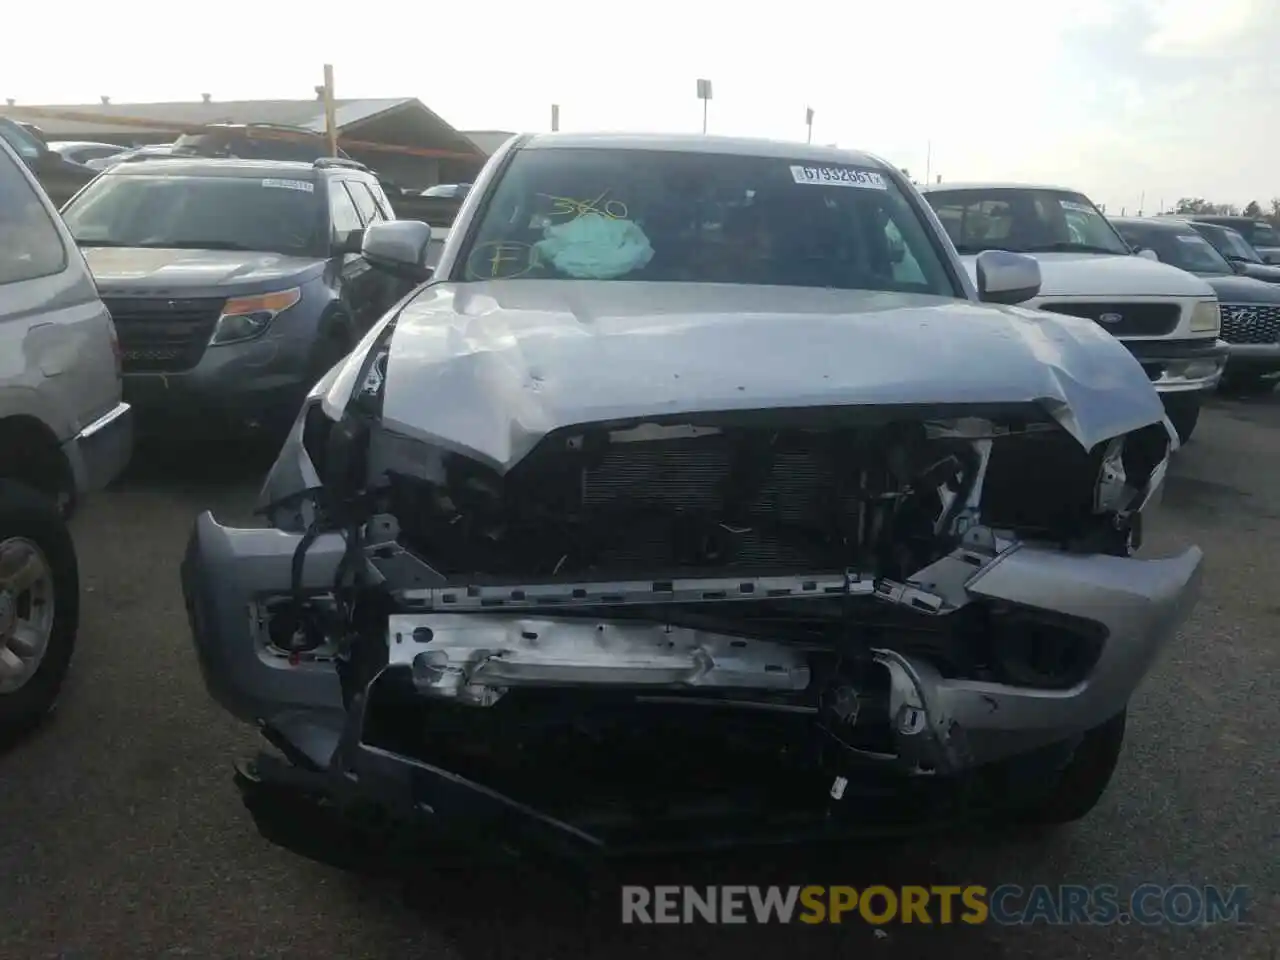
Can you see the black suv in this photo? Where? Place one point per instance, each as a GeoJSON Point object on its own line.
{"type": "Point", "coordinates": [1259, 234]}
{"type": "Point", "coordinates": [234, 284]}
{"type": "Point", "coordinates": [1235, 248]}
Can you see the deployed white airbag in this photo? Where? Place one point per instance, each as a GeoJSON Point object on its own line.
{"type": "Point", "coordinates": [595, 247]}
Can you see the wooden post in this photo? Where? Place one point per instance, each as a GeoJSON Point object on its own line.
{"type": "Point", "coordinates": [330, 118]}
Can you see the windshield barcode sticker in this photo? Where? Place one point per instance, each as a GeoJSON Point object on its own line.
{"type": "Point", "coordinates": [306, 186]}
{"type": "Point", "coordinates": [838, 177]}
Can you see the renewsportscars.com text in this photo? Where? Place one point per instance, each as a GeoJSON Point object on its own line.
{"type": "Point", "coordinates": [1009, 904]}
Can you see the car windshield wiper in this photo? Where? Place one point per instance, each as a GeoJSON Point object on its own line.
{"type": "Point", "coordinates": [101, 243]}
{"type": "Point", "coordinates": [1071, 246]}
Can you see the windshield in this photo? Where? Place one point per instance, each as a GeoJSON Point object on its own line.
{"type": "Point", "coordinates": [1264, 235]}
{"type": "Point", "coordinates": [1024, 220]}
{"type": "Point", "coordinates": [1184, 249]}
{"type": "Point", "coordinates": [211, 213]}
{"type": "Point", "coordinates": [704, 218]}
{"type": "Point", "coordinates": [1228, 242]}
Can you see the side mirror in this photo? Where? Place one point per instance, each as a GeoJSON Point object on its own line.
{"type": "Point", "coordinates": [353, 242]}
{"type": "Point", "coordinates": [1146, 253]}
{"type": "Point", "coordinates": [399, 247]}
{"type": "Point", "coordinates": [1005, 277]}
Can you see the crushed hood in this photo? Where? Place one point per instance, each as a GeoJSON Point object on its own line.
{"type": "Point", "coordinates": [1104, 275]}
{"type": "Point", "coordinates": [489, 369]}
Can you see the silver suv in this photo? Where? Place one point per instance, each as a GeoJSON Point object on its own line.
{"type": "Point", "coordinates": [64, 431]}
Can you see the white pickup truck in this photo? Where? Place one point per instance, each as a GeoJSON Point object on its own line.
{"type": "Point", "coordinates": [63, 431]}
{"type": "Point", "coordinates": [1167, 317]}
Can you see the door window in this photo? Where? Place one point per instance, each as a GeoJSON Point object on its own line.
{"type": "Point", "coordinates": [365, 202]}
{"type": "Point", "coordinates": [30, 245]}
{"type": "Point", "coordinates": [342, 211]}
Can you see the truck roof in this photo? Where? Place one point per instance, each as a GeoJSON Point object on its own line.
{"type": "Point", "coordinates": [995, 185]}
{"type": "Point", "coordinates": [702, 143]}
{"type": "Point", "coordinates": [215, 167]}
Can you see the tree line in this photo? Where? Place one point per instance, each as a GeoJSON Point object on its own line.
{"type": "Point", "coordinates": [1252, 209]}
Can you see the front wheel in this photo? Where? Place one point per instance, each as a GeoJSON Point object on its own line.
{"type": "Point", "coordinates": [39, 606]}
{"type": "Point", "coordinates": [1076, 788]}
{"type": "Point", "coordinates": [1247, 384]}
{"type": "Point", "coordinates": [1184, 413]}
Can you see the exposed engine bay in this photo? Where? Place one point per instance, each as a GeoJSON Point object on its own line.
{"type": "Point", "coordinates": [757, 595]}
{"type": "Point", "coordinates": [651, 500]}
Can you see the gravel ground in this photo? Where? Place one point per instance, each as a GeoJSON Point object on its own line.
{"type": "Point", "coordinates": [121, 834]}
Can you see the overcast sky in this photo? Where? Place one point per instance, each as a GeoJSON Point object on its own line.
{"type": "Point", "coordinates": [1116, 97]}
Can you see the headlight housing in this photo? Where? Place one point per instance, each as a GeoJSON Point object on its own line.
{"type": "Point", "coordinates": [1205, 317]}
{"type": "Point", "coordinates": [244, 318]}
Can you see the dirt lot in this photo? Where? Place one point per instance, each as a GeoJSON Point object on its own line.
{"type": "Point", "coordinates": [121, 834]}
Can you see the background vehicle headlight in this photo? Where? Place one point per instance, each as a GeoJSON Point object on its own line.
{"type": "Point", "coordinates": [1206, 318]}
{"type": "Point", "coordinates": [244, 318]}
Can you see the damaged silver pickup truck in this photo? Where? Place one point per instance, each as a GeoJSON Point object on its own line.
{"type": "Point", "coordinates": [695, 497]}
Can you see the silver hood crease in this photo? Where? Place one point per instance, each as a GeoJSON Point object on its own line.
{"type": "Point", "coordinates": [489, 369]}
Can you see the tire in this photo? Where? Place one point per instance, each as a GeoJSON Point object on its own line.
{"type": "Point", "coordinates": [1247, 385]}
{"type": "Point", "coordinates": [31, 526]}
{"type": "Point", "coordinates": [1078, 786]}
{"type": "Point", "coordinates": [1184, 415]}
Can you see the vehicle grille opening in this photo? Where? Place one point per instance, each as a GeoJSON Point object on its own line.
{"type": "Point", "coordinates": [1250, 323]}
{"type": "Point", "coordinates": [1125, 319]}
{"type": "Point", "coordinates": [161, 335]}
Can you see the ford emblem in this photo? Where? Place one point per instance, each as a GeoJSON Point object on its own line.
{"type": "Point", "coordinates": [1110, 318]}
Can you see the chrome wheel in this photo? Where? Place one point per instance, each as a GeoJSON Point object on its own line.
{"type": "Point", "coordinates": [26, 611]}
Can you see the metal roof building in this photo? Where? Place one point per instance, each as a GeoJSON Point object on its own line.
{"type": "Point", "coordinates": [404, 122]}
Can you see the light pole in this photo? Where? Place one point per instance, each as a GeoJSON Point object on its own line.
{"type": "Point", "coordinates": [808, 122]}
{"type": "Point", "coordinates": [555, 117]}
{"type": "Point", "coordinates": [704, 94]}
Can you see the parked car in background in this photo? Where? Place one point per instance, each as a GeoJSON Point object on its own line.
{"type": "Point", "coordinates": [64, 431]}
{"type": "Point", "coordinates": [665, 513]}
{"type": "Point", "coordinates": [59, 177]}
{"type": "Point", "coordinates": [1166, 317]}
{"type": "Point", "coordinates": [1261, 235]}
{"type": "Point", "coordinates": [234, 284]}
{"type": "Point", "coordinates": [82, 152]}
{"type": "Point", "coordinates": [450, 191]}
{"type": "Point", "coordinates": [1235, 248]}
{"type": "Point", "coordinates": [147, 152]}
{"type": "Point", "coordinates": [1250, 308]}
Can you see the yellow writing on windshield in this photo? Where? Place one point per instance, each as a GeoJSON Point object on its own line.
{"type": "Point", "coordinates": [501, 260]}
{"type": "Point", "coordinates": [574, 208]}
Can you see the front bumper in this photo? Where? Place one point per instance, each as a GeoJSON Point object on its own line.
{"type": "Point", "coordinates": [1255, 357]}
{"type": "Point", "coordinates": [939, 725]}
{"type": "Point", "coordinates": [1181, 366]}
{"type": "Point", "coordinates": [100, 452]}
{"type": "Point", "coordinates": [258, 382]}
